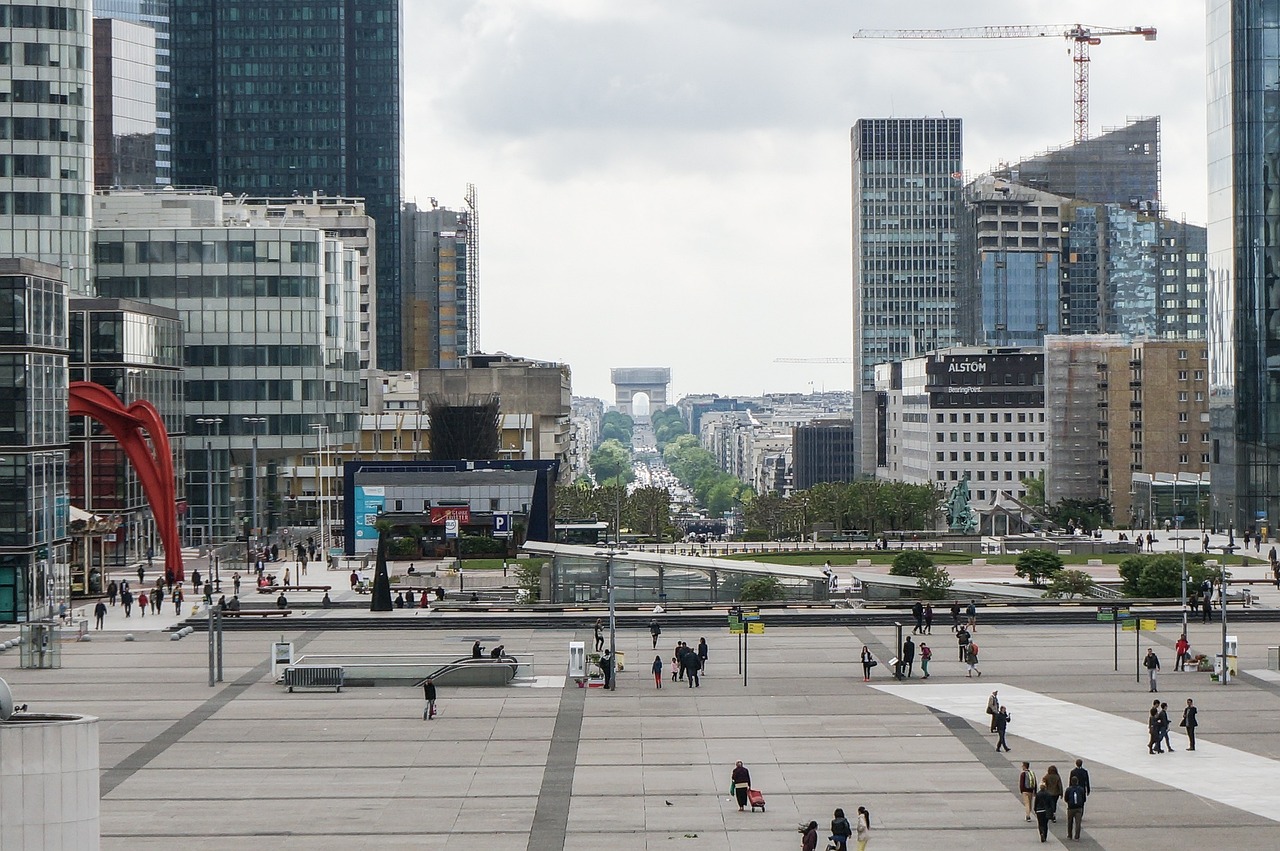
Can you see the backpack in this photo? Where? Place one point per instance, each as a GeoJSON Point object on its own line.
{"type": "Point", "coordinates": [1027, 781]}
{"type": "Point", "coordinates": [1075, 796]}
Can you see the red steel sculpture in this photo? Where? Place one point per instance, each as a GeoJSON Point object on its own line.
{"type": "Point", "coordinates": [132, 427]}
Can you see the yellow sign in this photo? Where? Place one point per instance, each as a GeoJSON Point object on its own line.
{"type": "Point", "coordinates": [755, 628]}
{"type": "Point", "coordinates": [1143, 624]}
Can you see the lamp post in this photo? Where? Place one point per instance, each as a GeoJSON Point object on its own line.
{"type": "Point", "coordinates": [208, 481]}
{"type": "Point", "coordinates": [1182, 539]}
{"type": "Point", "coordinates": [322, 438]}
{"type": "Point", "coordinates": [253, 423]}
{"type": "Point", "coordinates": [615, 549]}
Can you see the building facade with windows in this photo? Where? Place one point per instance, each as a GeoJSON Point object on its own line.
{"type": "Point", "coordinates": [964, 412]}
{"type": "Point", "coordinates": [271, 99]}
{"type": "Point", "coordinates": [34, 443]}
{"type": "Point", "coordinates": [441, 301]}
{"type": "Point", "coordinates": [1244, 261]}
{"type": "Point", "coordinates": [824, 451]}
{"type": "Point", "coordinates": [153, 14]}
{"type": "Point", "coordinates": [1119, 407]}
{"type": "Point", "coordinates": [134, 350]}
{"type": "Point", "coordinates": [46, 135]}
{"type": "Point", "coordinates": [269, 317]}
{"type": "Point", "coordinates": [124, 103]}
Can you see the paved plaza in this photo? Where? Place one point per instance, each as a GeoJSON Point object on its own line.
{"type": "Point", "coordinates": [185, 765]}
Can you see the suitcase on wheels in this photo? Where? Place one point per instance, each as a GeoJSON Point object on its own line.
{"type": "Point", "coordinates": [755, 799]}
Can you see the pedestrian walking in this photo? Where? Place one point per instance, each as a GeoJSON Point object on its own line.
{"type": "Point", "coordinates": [657, 671]}
{"type": "Point", "coordinates": [286, 577]}
{"type": "Point", "coordinates": [1204, 544]}
{"type": "Point", "coordinates": [1080, 775]}
{"type": "Point", "coordinates": [868, 662]}
{"type": "Point", "coordinates": [1162, 718]}
{"type": "Point", "coordinates": [1053, 785]}
{"type": "Point", "coordinates": [1187, 723]}
{"type": "Point", "coordinates": [691, 665]}
{"type": "Point", "coordinates": [99, 613]}
{"type": "Point", "coordinates": [809, 837]}
{"type": "Point", "coordinates": [235, 584]}
{"type": "Point", "coordinates": [1075, 796]}
{"type": "Point", "coordinates": [177, 599]}
{"type": "Point", "coordinates": [1027, 787]}
{"type": "Point", "coordinates": [972, 612]}
{"type": "Point", "coordinates": [926, 654]}
{"type": "Point", "coordinates": [1153, 731]}
{"type": "Point", "coordinates": [606, 668]}
{"type": "Point", "coordinates": [971, 659]}
{"type": "Point", "coordinates": [654, 631]}
{"type": "Point", "coordinates": [599, 632]}
{"type": "Point", "coordinates": [993, 706]}
{"type": "Point", "coordinates": [1181, 648]}
{"type": "Point", "coordinates": [917, 612]}
{"type": "Point", "coordinates": [955, 616]}
{"type": "Point", "coordinates": [112, 590]}
{"type": "Point", "coordinates": [429, 692]}
{"type": "Point", "coordinates": [1152, 663]}
{"type": "Point", "coordinates": [1002, 725]}
{"type": "Point", "coordinates": [126, 599]}
{"type": "Point", "coordinates": [962, 641]}
{"type": "Point", "coordinates": [864, 828]}
{"type": "Point", "coordinates": [928, 619]}
{"type": "Point", "coordinates": [142, 571]}
{"type": "Point", "coordinates": [143, 603]}
{"type": "Point", "coordinates": [1206, 605]}
{"type": "Point", "coordinates": [841, 830]}
{"type": "Point", "coordinates": [908, 656]}
{"type": "Point", "coordinates": [1043, 809]}
{"type": "Point", "coordinates": [740, 783]}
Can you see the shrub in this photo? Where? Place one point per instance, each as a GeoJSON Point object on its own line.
{"type": "Point", "coordinates": [933, 582]}
{"type": "Point", "coordinates": [1038, 565]}
{"type": "Point", "coordinates": [762, 588]}
{"type": "Point", "coordinates": [755, 535]}
{"type": "Point", "coordinates": [529, 580]}
{"type": "Point", "coordinates": [1070, 583]}
{"type": "Point", "coordinates": [910, 563]}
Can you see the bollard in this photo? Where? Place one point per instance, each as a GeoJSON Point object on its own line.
{"type": "Point", "coordinates": [128, 636]}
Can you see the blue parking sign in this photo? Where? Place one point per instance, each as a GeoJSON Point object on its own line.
{"type": "Point", "coordinates": [501, 525]}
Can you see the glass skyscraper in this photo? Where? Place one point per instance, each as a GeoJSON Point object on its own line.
{"type": "Point", "coordinates": [154, 14]}
{"type": "Point", "coordinates": [1244, 261]}
{"type": "Point", "coordinates": [46, 136]}
{"type": "Point", "coordinates": [272, 99]}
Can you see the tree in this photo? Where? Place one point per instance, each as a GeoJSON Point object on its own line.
{"type": "Point", "coordinates": [910, 563]}
{"type": "Point", "coordinates": [380, 599]}
{"type": "Point", "coordinates": [616, 425]}
{"type": "Point", "coordinates": [611, 462]}
{"type": "Point", "coordinates": [1038, 565]}
{"type": "Point", "coordinates": [1161, 577]}
{"type": "Point", "coordinates": [933, 582]}
{"type": "Point", "coordinates": [1070, 584]}
{"type": "Point", "coordinates": [762, 588]}
{"type": "Point", "coordinates": [1035, 490]}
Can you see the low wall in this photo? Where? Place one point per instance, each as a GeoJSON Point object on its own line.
{"type": "Point", "coordinates": [49, 774]}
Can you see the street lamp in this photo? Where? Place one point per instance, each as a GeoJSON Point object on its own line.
{"type": "Point", "coordinates": [322, 439]}
{"type": "Point", "coordinates": [253, 423]}
{"type": "Point", "coordinates": [208, 481]}
{"type": "Point", "coordinates": [1182, 539]}
{"type": "Point", "coordinates": [615, 549]}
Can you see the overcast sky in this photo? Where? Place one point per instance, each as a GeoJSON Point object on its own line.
{"type": "Point", "coordinates": [667, 182]}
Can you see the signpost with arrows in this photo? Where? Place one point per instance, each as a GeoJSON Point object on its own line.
{"type": "Point", "coordinates": [744, 622]}
{"type": "Point", "coordinates": [1114, 615]}
{"type": "Point", "coordinates": [1138, 626]}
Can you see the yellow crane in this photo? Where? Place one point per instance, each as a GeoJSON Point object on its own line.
{"type": "Point", "coordinates": [1082, 37]}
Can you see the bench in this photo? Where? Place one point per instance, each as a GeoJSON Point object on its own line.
{"type": "Point", "coordinates": [272, 589]}
{"type": "Point", "coordinates": [257, 613]}
{"type": "Point", "coordinates": [313, 676]}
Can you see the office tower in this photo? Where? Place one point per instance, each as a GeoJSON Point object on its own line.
{"type": "Point", "coordinates": [1244, 262]}
{"type": "Point", "coordinates": [271, 99]}
{"type": "Point", "coordinates": [33, 437]}
{"type": "Point", "coordinates": [1073, 241]}
{"type": "Point", "coordinates": [1118, 407]}
{"type": "Point", "coordinates": [46, 143]}
{"type": "Point", "coordinates": [824, 451]}
{"type": "Point", "coordinates": [269, 315]}
{"type": "Point", "coordinates": [342, 218]}
{"type": "Point", "coordinates": [155, 15]}
{"type": "Point", "coordinates": [906, 183]}
{"type": "Point", "coordinates": [440, 282]}
{"type": "Point", "coordinates": [124, 104]}
{"type": "Point", "coordinates": [135, 351]}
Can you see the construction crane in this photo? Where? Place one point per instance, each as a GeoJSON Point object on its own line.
{"type": "Point", "coordinates": [813, 360]}
{"type": "Point", "coordinates": [1082, 37]}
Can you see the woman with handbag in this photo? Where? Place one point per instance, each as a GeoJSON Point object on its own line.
{"type": "Point", "coordinates": [868, 662]}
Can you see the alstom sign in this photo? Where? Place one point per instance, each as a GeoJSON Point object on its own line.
{"type": "Point", "coordinates": [967, 366]}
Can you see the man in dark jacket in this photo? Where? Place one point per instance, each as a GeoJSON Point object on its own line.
{"type": "Point", "coordinates": [917, 612]}
{"type": "Point", "coordinates": [1075, 796]}
{"type": "Point", "coordinates": [908, 655]}
{"type": "Point", "coordinates": [1002, 725]}
{"type": "Point", "coordinates": [99, 613]}
{"type": "Point", "coordinates": [1044, 803]}
{"type": "Point", "coordinates": [654, 632]}
{"type": "Point", "coordinates": [429, 692]}
{"type": "Point", "coordinates": [1080, 777]}
{"type": "Point", "coordinates": [962, 639]}
{"type": "Point", "coordinates": [689, 662]}
{"type": "Point", "coordinates": [1188, 722]}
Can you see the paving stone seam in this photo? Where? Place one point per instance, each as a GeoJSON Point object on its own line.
{"type": "Point", "coordinates": [551, 817]}
{"type": "Point", "coordinates": [143, 756]}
